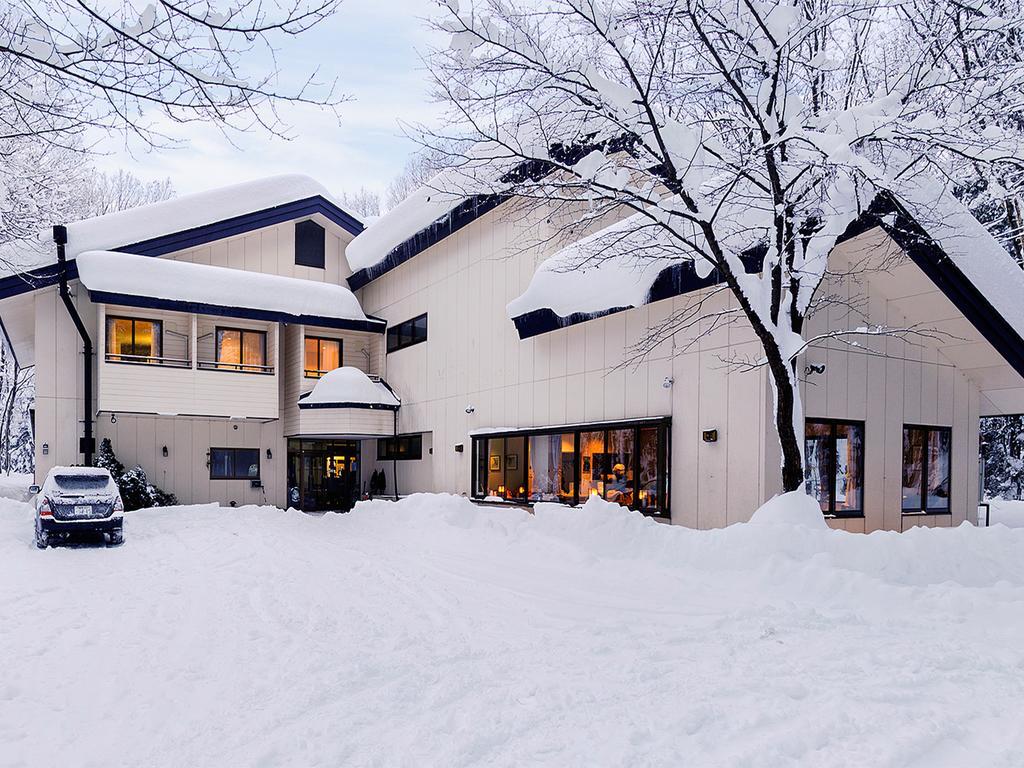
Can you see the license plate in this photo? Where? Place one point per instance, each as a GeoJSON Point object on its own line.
{"type": "Point", "coordinates": [83, 510]}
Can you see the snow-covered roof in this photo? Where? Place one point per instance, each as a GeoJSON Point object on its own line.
{"type": "Point", "coordinates": [348, 386]}
{"type": "Point", "coordinates": [187, 212]}
{"type": "Point", "coordinates": [612, 268]}
{"type": "Point", "coordinates": [119, 277]}
{"type": "Point", "coordinates": [968, 244]}
{"type": "Point", "coordinates": [480, 174]}
{"type": "Point", "coordinates": [169, 217]}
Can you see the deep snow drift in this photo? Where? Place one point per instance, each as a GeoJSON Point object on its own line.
{"type": "Point", "coordinates": [432, 632]}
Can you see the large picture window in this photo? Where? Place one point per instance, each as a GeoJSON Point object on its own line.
{"type": "Point", "coordinates": [407, 334]}
{"type": "Point", "coordinates": [834, 465]}
{"type": "Point", "coordinates": [926, 469]}
{"type": "Point", "coordinates": [234, 464]}
{"type": "Point", "coordinates": [239, 349]}
{"type": "Point", "coordinates": [322, 356]}
{"type": "Point", "coordinates": [134, 340]}
{"type": "Point", "coordinates": [624, 463]}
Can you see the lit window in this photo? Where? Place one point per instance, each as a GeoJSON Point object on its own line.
{"type": "Point", "coordinates": [926, 468]}
{"type": "Point", "coordinates": [131, 340]}
{"type": "Point", "coordinates": [242, 350]}
{"type": "Point", "coordinates": [834, 466]}
{"type": "Point", "coordinates": [322, 355]}
{"type": "Point", "coordinates": [402, 448]}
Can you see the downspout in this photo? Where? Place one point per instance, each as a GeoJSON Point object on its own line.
{"type": "Point", "coordinates": [394, 459]}
{"type": "Point", "coordinates": [60, 237]}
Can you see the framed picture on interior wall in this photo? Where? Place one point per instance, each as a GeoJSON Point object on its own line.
{"type": "Point", "coordinates": [495, 465]}
{"type": "Point", "coordinates": [512, 461]}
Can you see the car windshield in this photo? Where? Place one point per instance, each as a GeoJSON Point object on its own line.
{"type": "Point", "coordinates": [82, 482]}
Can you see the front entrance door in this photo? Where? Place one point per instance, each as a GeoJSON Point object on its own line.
{"type": "Point", "coordinates": [323, 475]}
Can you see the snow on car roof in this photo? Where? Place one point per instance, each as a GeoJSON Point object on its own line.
{"type": "Point", "coordinates": [126, 274]}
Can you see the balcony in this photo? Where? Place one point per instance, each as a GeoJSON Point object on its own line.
{"type": "Point", "coordinates": [346, 402]}
{"type": "Point", "coordinates": [190, 364]}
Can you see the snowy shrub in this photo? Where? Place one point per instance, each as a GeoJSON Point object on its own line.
{"type": "Point", "coordinates": [136, 490]}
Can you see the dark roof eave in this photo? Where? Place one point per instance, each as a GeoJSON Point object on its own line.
{"type": "Point", "coordinates": [44, 276]}
{"type": "Point", "coordinates": [248, 313]}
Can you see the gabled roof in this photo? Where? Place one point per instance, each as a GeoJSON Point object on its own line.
{"type": "Point", "coordinates": [937, 232]}
{"type": "Point", "coordinates": [173, 225]}
{"type": "Point", "coordinates": [138, 281]}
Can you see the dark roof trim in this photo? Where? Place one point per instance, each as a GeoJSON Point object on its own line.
{"type": "Point", "coordinates": [677, 280]}
{"type": "Point", "coordinates": [365, 406]}
{"type": "Point", "coordinates": [476, 206]}
{"type": "Point", "coordinates": [148, 302]}
{"type": "Point", "coordinates": [41, 277]}
{"type": "Point", "coordinates": [463, 214]}
{"type": "Point", "coordinates": [887, 213]}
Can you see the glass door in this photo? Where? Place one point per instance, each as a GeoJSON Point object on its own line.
{"type": "Point", "coordinates": [323, 475]}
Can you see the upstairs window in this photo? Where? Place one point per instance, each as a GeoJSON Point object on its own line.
{"type": "Point", "coordinates": [403, 448]}
{"type": "Point", "coordinates": [926, 469]}
{"type": "Point", "coordinates": [131, 340]}
{"type": "Point", "coordinates": [834, 466]}
{"type": "Point", "coordinates": [309, 244]}
{"type": "Point", "coordinates": [234, 464]}
{"type": "Point", "coordinates": [322, 355]}
{"type": "Point", "coordinates": [239, 349]}
{"type": "Point", "coordinates": [408, 333]}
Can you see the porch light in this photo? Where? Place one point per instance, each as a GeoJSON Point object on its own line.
{"type": "Point", "coordinates": [269, 454]}
{"type": "Point", "coordinates": [166, 452]}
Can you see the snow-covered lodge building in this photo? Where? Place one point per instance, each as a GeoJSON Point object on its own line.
{"type": "Point", "coordinates": [257, 344]}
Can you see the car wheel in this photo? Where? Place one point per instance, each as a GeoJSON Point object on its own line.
{"type": "Point", "coordinates": [42, 539]}
{"type": "Point", "coordinates": [117, 536]}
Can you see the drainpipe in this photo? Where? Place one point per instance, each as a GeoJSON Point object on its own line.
{"type": "Point", "coordinates": [394, 461]}
{"type": "Point", "coordinates": [60, 237]}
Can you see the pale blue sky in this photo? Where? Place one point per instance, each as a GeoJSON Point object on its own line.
{"type": "Point", "coordinates": [373, 47]}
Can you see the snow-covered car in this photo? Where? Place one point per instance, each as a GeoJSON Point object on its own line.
{"type": "Point", "coordinates": [77, 500]}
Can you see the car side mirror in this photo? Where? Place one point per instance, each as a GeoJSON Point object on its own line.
{"type": "Point", "coordinates": [34, 489]}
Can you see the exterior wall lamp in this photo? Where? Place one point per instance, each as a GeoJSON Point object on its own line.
{"type": "Point", "coordinates": [270, 454]}
{"type": "Point", "coordinates": [166, 452]}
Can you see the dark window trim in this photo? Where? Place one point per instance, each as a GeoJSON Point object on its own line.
{"type": "Point", "coordinates": [116, 357]}
{"type": "Point", "coordinates": [664, 458]}
{"type": "Point", "coordinates": [234, 465]}
{"type": "Point", "coordinates": [395, 332]}
{"type": "Point", "coordinates": [242, 366]}
{"type": "Point", "coordinates": [317, 373]}
{"type": "Point", "coordinates": [924, 509]}
{"type": "Point", "coordinates": [833, 423]}
{"type": "Point", "coordinates": [411, 440]}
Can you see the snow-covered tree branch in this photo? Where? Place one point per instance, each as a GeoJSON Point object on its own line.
{"type": "Point", "coordinates": [741, 136]}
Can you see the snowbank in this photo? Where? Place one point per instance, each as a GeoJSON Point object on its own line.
{"type": "Point", "coordinates": [181, 281]}
{"type": "Point", "coordinates": [793, 508]}
{"type": "Point", "coordinates": [432, 631]}
{"type": "Point", "coordinates": [1005, 512]}
{"type": "Point", "coordinates": [349, 385]}
{"type": "Point", "coordinates": [16, 486]}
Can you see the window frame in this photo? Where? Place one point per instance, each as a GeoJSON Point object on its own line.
{"type": "Point", "coordinates": [117, 357]}
{"type": "Point", "coordinates": [318, 373]}
{"type": "Point", "coordinates": [924, 509]}
{"type": "Point", "coordinates": [393, 338]}
{"type": "Point", "coordinates": [663, 460]}
{"type": "Point", "coordinates": [241, 366]}
{"type": "Point", "coordinates": [304, 233]}
{"type": "Point", "coordinates": [833, 423]}
{"type": "Point", "coordinates": [234, 464]}
{"type": "Point", "coordinates": [411, 440]}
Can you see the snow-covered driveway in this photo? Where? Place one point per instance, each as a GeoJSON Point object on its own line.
{"type": "Point", "coordinates": [433, 633]}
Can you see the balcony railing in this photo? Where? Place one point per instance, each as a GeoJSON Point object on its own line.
{"type": "Point", "coordinates": [215, 365]}
{"type": "Point", "coordinates": [170, 362]}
